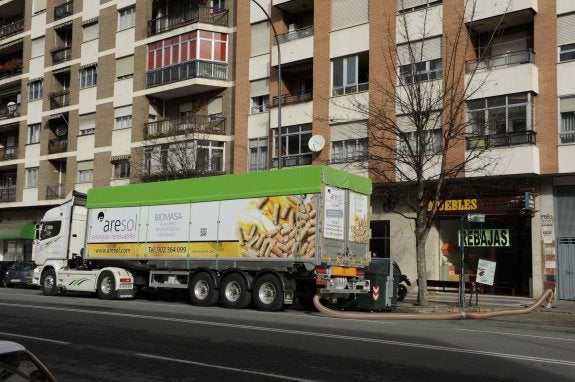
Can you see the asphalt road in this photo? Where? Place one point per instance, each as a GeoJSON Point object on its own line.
{"type": "Point", "coordinates": [82, 338]}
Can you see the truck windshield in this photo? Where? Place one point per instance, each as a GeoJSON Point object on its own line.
{"type": "Point", "coordinates": [50, 229]}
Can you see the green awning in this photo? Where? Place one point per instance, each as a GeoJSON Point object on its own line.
{"type": "Point", "coordinates": [17, 231]}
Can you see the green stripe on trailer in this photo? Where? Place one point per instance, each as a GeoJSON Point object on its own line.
{"type": "Point", "coordinates": [289, 181]}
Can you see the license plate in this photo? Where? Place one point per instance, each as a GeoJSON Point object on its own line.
{"type": "Point", "coordinates": [15, 280]}
{"type": "Point", "coordinates": [125, 286]}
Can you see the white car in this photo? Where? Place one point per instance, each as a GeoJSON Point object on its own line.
{"type": "Point", "coordinates": [18, 364]}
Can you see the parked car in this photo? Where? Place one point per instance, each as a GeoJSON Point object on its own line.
{"type": "Point", "coordinates": [4, 265]}
{"type": "Point", "coordinates": [19, 364]}
{"type": "Point", "coordinates": [19, 273]}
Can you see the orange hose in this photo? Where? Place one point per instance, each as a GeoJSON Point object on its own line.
{"type": "Point", "coordinates": [461, 315]}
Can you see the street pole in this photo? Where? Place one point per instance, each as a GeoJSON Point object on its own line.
{"type": "Point", "coordinates": [461, 262]}
{"type": "Point", "coordinates": [279, 141]}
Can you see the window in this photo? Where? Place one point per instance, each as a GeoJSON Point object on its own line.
{"type": "Point", "coordinates": [506, 119]}
{"type": "Point", "coordinates": [85, 176]}
{"type": "Point", "coordinates": [123, 117]}
{"type": "Point", "coordinates": [379, 243]}
{"type": "Point", "coordinates": [295, 151]}
{"type": "Point", "coordinates": [420, 71]}
{"type": "Point", "coordinates": [219, 4]}
{"type": "Point", "coordinates": [88, 76]}
{"type": "Point", "coordinates": [121, 169]}
{"type": "Point", "coordinates": [50, 229]}
{"type": "Point", "coordinates": [34, 133]}
{"type": "Point", "coordinates": [32, 177]}
{"type": "Point", "coordinates": [567, 127]}
{"type": "Point", "coordinates": [87, 124]}
{"type": "Point", "coordinates": [567, 52]}
{"type": "Point", "coordinates": [350, 74]}
{"type": "Point", "coordinates": [90, 31]}
{"type": "Point", "coordinates": [260, 104]}
{"type": "Point", "coordinates": [409, 144]}
{"type": "Point", "coordinates": [210, 156]}
{"type": "Point", "coordinates": [182, 159]}
{"type": "Point", "coordinates": [125, 67]}
{"type": "Point", "coordinates": [349, 150]}
{"type": "Point", "coordinates": [35, 90]}
{"type": "Point", "coordinates": [258, 154]}
{"type": "Point", "coordinates": [126, 18]}
{"type": "Point", "coordinates": [413, 5]}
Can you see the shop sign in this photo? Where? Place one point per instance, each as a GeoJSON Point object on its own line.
{"type": "Point", "coordinates": [454, 205]}
{"type": "Point", "coordinates": [490, 237]}
{"type": "Point", "coordinates": [529, 202]}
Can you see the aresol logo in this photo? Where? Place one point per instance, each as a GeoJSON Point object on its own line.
{"type": "Point", "coordinates": [118, 225]}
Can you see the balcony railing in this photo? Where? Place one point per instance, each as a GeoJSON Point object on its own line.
{"type": "Point", "coordinates": [206, 15]}
{"type": "Point", "coordinates": [567, 137]}
{"type": "Point", "coordinates": [58, 145]}
{"type": "Point", "coordinates": [55, 191]}
{"type": "Point", "coordinates": [293, 160]}
{"type": "Point", "coordinates": [59, 99]}
{"type": "Point", "coordinates": [185, 71]}
{"type": "Point", "coordinates": [10, 111]}
{"type": "Point", "coordinates": [11, 68]}
{"type": "Point", "coordinates": [63, 10]}
{"type": "Point", "coordinates": [61, 55]}
{"type": "Point", "coordinates": [200, 124]}
{"type": "Point", "coordinates": [292, 99]}
{"type": "Point", "coordinates": [8, 153]}
{"type": "Point", "coordinates": [499, 140]}
{"type": "Point", "coordinates": [295, 34]}
{"type": "Point", "coordinates": [501, 60]}
{"type": "Point", "coordinates": [12, 28]}
{"type": "Point", "coordinates": [7, 194]}
{"type": "Point", "coordinates": [170, 175]}
{"type": "Point", "coordinates": [351, 89]}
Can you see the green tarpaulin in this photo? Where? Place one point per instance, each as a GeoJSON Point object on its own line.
{"type": "Point", "coordinates": [16, 231]}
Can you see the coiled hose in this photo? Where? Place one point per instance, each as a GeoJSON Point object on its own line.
{"type": "Point", "coordinates": [461, 315]}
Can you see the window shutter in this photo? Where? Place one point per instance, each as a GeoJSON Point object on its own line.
{"type": "Point", "coordinates": [39, 5]}
{"type": "Point", "coordinates": [567, 105]}
{"type": "Point", "coordinates": [347, 13]}
{"type": "Point", "coordinates": [124, 66]}
{"type": "Point", "coordinates": [407, 4]}
{"type": "Point", "coordinates": [424, 50]}
{"type": "Point", "coordinates": [259, 88]}
{"type": "Point", "coordinates": [566, 29]}
{"type": "Point", "coordinates": [85, 165]}
{"type": "Point", "coordinates": [260, 39]}
{"type": "Point", "coordinates": [565, 202]}
{"type": "Point", "coordinates": [215, 106]}
{"type": "Point", "coordinates": [346, 131]}
{"type": "Point", "coordinates": [90, 32]}
{"type": "Point", "coordinates": [37, 47]}
{"type": "Point", "coordinates": [122, 111]}
{"type": "Point", "coordinates": [88, 121]}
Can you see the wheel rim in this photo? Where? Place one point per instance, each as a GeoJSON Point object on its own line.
{"type": "Point", "coordinates": [267, 293]}
{"type": "Point", "coordinates": [233, 291]}
{"type": "Point", "coordinates": [201, 290]}
{"type": "Point", "coordinates": [49, 283]}
{"type": "Point", "coordinates": [106, 285]}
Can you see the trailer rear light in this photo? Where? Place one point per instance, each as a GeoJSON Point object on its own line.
{"type": "Point", "coordinates": [361, 272]}
{"type": "Point", "coordinates": [125, 280]}
{"type": "Point", "coordinates": [320, 270]}
{"type": "Point", "coordinates": [343, 271]}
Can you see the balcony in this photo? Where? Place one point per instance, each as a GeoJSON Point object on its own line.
{"type": "Point", "coordinates": [57, 145]}
{"type": "Point", "coordinates": [61, 55]}
{"type": "Point", "coordinates": [296, 47]}
{"type": "Point", "coordinates": [500, 140]}
{"type": "Point", "coordinates": [296, 34]}
{"type": "Point", "coordinates": [8, 153]}
{"type": "Point", "coordinates": [350, 89]}
{"type": "Point", "coordinates": [200, 124]}
{"type": "Point", "coordinates": [501, 61]}
{"type": "Point", "coordinates": [11, 68]}
{"type": "Point", "coordinates": [59, 99]}
{"type": "Point", "coordinates": [12, 110]}
{"type": "Point", "coordinates": [64, 10]}
{"type": "Point", "coordinates": [185, 71]}
{"type": "Point", "coordinates": [292, 99]}
{"type": "Point", "coordinates": [11, 29]}
{"type": "Point", "coordinates": [169, 175]}
{"type": "Point", "coordinates": [55, 191]}
{"type": "Point", "coordinates": [205, 15]}
{"type": "Point", "coordinates": [7, 194]}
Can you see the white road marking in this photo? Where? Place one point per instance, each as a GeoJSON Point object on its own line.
{"type": "Point", "coordinates": [246, 371]}
{"type": "Point", "coordinates": [35, 338]}
{"type": "Point", "coordinates": [517, 334]}
{"type": "Point", "coordinates": [309, 334]}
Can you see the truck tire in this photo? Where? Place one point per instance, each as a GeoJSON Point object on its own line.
{"type": "Point", "coordinates": [48, 283]}
{"type": "Point", "coordinates": [106, 286]}
{"type": "Point", "coordinates": [268, 294]}
{"type": "Point", "coordinates": [234, 293]}
{"type": "Point", "coordinates": [203, 290]}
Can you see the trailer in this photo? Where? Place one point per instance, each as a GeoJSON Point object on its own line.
{"type": "Point", "coordinates": [264, 238]}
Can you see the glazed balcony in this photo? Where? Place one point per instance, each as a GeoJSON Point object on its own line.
{"type": "Point", "coordinates": [501, 140]}
{"type": "Point", "coordinates": [185, 71]}
{"type": "Point", "coordinates": [200, 124]}
{"type": "Point", "coordinates": [59, 99]}
{"type": "Point", "coordinates": [205, 15]}
{"type": "Point", "coordinates": [57, 145]}
{"type": "Point", "coordinates": [11, 29]}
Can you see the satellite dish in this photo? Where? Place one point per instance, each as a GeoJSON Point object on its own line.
{"type": "Point", "coordinates": [61, 130]}
{"type": "Point", "coordinates": [316, 143]}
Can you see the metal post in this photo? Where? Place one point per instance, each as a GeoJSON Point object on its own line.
{"type": "Point", "coordinates": [279, 84]}
{"type": "Point", "coordinates": [461, 262]}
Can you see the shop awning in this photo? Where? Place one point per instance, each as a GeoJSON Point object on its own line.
{"type": "Point", "coordinates": [17, 231]}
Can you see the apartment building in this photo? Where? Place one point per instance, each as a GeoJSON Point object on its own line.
{"type": "Point", "coordinates": [103, 93]}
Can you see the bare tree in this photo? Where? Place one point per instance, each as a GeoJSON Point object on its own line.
{"type": "Point", "coordinates": [420, 139]}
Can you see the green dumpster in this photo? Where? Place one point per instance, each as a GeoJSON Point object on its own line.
{"type": "Point", "coordinates": [383, 290]}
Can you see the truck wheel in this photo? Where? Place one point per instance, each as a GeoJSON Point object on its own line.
{"type": "Point", "coordinates": [203, 290]}
{"type": "Point", "coordinates": [234, 292]}
{"type": "Point", "coordinates": [106, 286]}
{"type": "Point", "coordinates": [268, 294]}
{"type": "Point", "coordinates": [48, 283]}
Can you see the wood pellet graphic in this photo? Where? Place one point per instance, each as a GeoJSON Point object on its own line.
{"type": "Point", "coordinates": [287, 227]}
